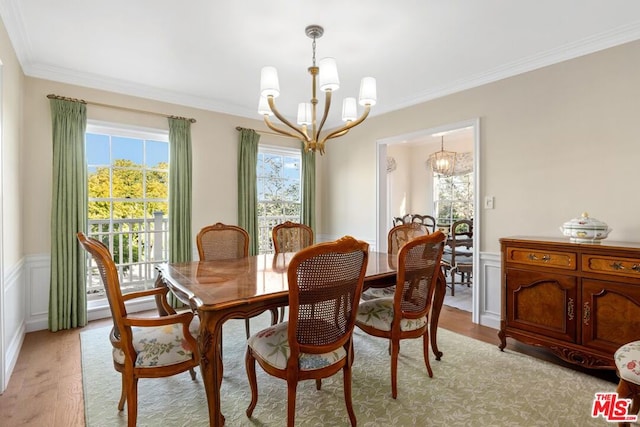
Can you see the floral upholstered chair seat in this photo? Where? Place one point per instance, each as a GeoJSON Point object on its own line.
{"type": "Point", "coordinates": [627, 360]}
{"type": "Point", "coordinates": [159, 345]}
{"type": "Point", "coordinates": [272, 345]}
{"type": "Point", "coordinates": [378, 313]}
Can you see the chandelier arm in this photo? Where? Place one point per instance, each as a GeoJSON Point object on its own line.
{"type": "Point", "coordinates": [277, 129]}
{"type": "Point", "coordinates": [344, 129]}
{"type": "Point", "coordinates": [280, 117]}
{"type": "Point", "coordinates": [327, 106]}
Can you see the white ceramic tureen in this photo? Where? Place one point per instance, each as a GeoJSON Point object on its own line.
{"type": "Point", "coordinates": [585, 229]}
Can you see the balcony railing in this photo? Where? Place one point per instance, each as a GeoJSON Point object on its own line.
{"type": "Point", "coordinates": [136, 245]}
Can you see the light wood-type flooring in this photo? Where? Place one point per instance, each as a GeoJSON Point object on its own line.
{"type": "Point", "coordinates": [45, 388]}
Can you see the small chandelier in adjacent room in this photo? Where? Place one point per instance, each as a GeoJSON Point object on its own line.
{"type": "Point", "coordinates": [442, 162]}
{"type": "Point", "coordinates": [324, 75]}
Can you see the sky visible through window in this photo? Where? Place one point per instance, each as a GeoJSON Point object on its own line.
{"type": "Point", "coordinates": [133, 149]}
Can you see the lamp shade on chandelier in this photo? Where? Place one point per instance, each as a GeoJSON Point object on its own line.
{"type": "Point", "coordinates": [443, 162]}
{"type": "Point", "coordinates": [325, 77]}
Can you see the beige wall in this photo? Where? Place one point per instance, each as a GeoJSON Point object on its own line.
{"type": "Point", "coordinates": [553, 143]}
{"type": "Point", "coordinates": [12, 193]}
{"type": "Point", "coordinates": [214, 139]}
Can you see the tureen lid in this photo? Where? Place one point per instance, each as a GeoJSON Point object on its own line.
{"type": "Point", "coordinates": [584, 221]}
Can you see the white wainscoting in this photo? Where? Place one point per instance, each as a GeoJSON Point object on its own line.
{"type": "Point", "coordinates": [13, 312]}
{"type": "Point", "coordinates": [487, 296]}
{"type": "Point", "coordinates": [37, 273]}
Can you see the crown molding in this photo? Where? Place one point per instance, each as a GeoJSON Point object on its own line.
{"type": "Point", "coordinates": [11, 17]}
{"type": "Point", "coordinates": [595, 43]}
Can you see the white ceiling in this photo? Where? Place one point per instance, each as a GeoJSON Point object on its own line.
{"type": "Point", "coordinates": [208, 54]}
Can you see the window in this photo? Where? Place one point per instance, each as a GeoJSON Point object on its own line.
{"type": "Point", "coordinates": [279, 191]}
{"type": "Point", "coordinates": [128, 182]}
{"type": "Point", "coordinates": [453, 198]}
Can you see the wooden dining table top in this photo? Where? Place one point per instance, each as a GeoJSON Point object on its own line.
{"type": "Point", "coordinates": [212, 285]}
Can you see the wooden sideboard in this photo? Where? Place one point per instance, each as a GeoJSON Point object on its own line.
{"type": "Point", "coordinates": [581, 301]}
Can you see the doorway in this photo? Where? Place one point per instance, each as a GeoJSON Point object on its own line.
{"type": "Point", "coordinates": [409, 191]}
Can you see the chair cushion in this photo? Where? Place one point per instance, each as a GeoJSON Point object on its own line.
{"type": "Point", "coordinates": [627, 360]}
{"type": "Point", "coordinates": [378, 313]}
{"type": "Point", "coordinates": [272, 346]}
{"type": "Point", "coordinates": [158, 346]}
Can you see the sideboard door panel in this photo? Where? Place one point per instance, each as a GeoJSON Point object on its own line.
{"type": "Point", "coordinates": [610, 314]}
{"type": "Point", "coordinates": [542, 303]}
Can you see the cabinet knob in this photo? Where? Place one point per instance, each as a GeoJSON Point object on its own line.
{"type": "Point", "coordinates": [636, 268]}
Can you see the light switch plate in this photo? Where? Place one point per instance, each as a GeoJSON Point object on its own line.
{"type": "Point", "coordinates": [488, 202]}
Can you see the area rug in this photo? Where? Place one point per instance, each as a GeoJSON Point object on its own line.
{"type": "Point", "coordinates": [475, 384]}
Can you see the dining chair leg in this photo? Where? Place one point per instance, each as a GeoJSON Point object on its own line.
{"type": "Point", "coordinates": [123, 394]}
{"type": "Point", "coordinates": [292, 385]}
{"type": "Point", "coordinates": [250, 366]}
{"type": "Point", "coordinates": [132, 402]}
{"type": "Point", "coordinates": [274, 316]}
{"type": "Point", "coordinates": [247, 328]}
{"type": "Point", "coordinates": [395, 350]}
{"type": "Point", "coordinates": [425, 349]}
{"type": "Point", "coordinates": [346, 373]}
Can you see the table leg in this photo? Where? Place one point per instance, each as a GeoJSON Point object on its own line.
{"type": "Point", "coordinates": [209, 342]}
{"type": "Point", "coordinates": [438, 301]}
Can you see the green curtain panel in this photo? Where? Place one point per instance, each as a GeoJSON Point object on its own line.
{"type": "Point", "coordinates": [67, 292]}
{"type": "Point", "coordinates": [247, 186]}
{"type": "Point", "coordinates": [309, 188]}
{"type": "Point", "coordinates": [180, 183]}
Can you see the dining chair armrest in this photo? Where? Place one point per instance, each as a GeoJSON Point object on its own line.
{"type": "Point", "coordinates": [184, 317]}
{"type": "Point", "coordinates": [159, 292]}
{"type": "Point", "coordinates": [145, 293]}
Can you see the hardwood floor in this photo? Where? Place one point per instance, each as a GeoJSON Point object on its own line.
{"type": "Point", "coordinates": [46, 386]}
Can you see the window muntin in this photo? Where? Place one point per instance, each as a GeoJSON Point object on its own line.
{"type": "Point", "coordinates": [127, 173]}
{"type": "Point", "coordinates": [279, 191]}
{"type": "Point", "coordinates": [452, 198]}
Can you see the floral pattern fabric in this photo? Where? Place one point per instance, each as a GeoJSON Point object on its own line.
{"type": "Point", "coordinates": [627, 360]}
{"type": "Point", "coordinates": [378, 313]}
{"type": "Point", "coordinates": [158, 345]}
{"type": "Point", "coordinates": [272, 345]}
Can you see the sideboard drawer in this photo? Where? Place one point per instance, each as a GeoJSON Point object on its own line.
{"type": "Point", "coordinates": [626, 267]}
{"type": "Point", "coordinates": [564, 260]}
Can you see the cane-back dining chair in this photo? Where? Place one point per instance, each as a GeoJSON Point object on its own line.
{"type": "Point", "coordinates": [143, 347]}
{"type": "Point", "coordinates": [404, 315]}
{"type": "Point", "coordinates": [458, 255]}
{"type": "Point", "coordinates": [401, 234]}
{"type": "Point", "coordinates": [397, 236]}
{"type": "Point", "coordinates": [426, 220]}
{"type": "Point", "coordinates": [325, 283]}
{"type": "Point", "coordinates": [290, 237]}
{"type": "Point", "coordinates": [222, 241]}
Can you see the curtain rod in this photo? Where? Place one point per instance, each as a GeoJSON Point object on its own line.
{"type": "Point", "coordinates": [264, 132]}
{"type": "Point", "coordinates": [135, 110]}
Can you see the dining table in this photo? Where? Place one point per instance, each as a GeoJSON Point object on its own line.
{"type": "Point", "coordinates": [242, 288]}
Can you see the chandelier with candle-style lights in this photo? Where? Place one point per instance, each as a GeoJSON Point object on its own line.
{"type": "Point", "coordinates": [325, 75]}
